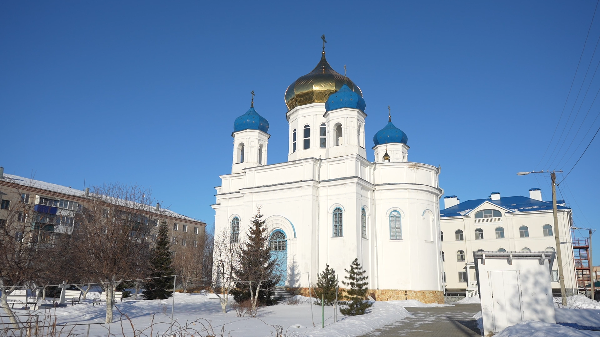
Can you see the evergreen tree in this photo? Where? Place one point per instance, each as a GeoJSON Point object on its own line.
{"type": "Point", "coordinates": [326, 286]}
{"type": "Point", "coordinates": [256, 265]}
{"type": "Point", "coordinates": [161, 268]}
{"type": "Point", "coordinates": [357, 293]}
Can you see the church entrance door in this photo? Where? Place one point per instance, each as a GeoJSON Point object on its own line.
{"type": "Point", "coordinates": [278, 246]}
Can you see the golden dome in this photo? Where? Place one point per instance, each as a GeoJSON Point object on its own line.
{"type": "Point", "coordinates": [316, 86]}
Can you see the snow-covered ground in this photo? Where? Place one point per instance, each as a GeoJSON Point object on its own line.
{"type": "Point", "coordinates": [198, 315]}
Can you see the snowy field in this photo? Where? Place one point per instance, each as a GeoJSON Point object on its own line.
{"type": "Point", "coordinates": [196, 314]}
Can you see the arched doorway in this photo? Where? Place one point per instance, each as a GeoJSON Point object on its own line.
{"type": "Point", "coordinates": [278, 246]}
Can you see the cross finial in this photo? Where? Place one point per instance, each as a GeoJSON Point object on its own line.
{"type": "Point", "coordinates": [345, 77]}
{"type": "Point", "coordinates": [389, 114]}
{"type": "Point", "coordinates": [252, 103]}
{"type": "Point", "coordinates": [324, 42]}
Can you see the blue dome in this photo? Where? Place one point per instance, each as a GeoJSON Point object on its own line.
{"type": "Point", "coordinates": [345, 98]}
{"type": "Point", "coordinates": [390, 134]}
{"type": "Point", "coordinates": [251, 120]}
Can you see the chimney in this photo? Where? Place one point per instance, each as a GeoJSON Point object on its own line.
{"type": "Point", "coordinates": [450, 201]}
{"type": "Point", "coordinates": [535, 193]}
{"type": "Point", "coordinates": [157, 206]}
{"type": "Point", "coordinates": [495, 196]}
{"type": "Point", "coordinates": [87, 191]}
{"type": "Point", "coordinates": [1, 172]}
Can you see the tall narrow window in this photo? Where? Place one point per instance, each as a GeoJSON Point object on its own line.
{"type": "Point", "coordinates": [235, 229]}
{"type": "Point", "coordinates": [322, 136]}
{"type": "Point", "coordinates": [395, 226]}
{"type": "Point", "coordinates": [338, 134]}
{"type": "Point", "coordinates": [337, 222]}
{"type": "Point", "coordinates": [524, 232]}
{"type": "Point", "coordinates": [479, 234]}
{"type": "Point", "coordinates": [241, 153]}
{"type": "Point", "coordinates": [443, 257]}
{"type": "Point", "coordinates": [294, 141]}
{"type": "Point", "coordinates": [460, 256]}
{"type": "Point", "coordinates": [307, 137]}
{"type": "Point", "coordinates": [459, 235]}
{"type": "Point", "coordinates": [441, 236]}
{"type": "Point", "coordinates": [363, 223]}
{"type": "Point", "coordinates": [547, 230]}
{"type": "Point", "coordinates": [260, 155]}
{"type": "Point", "coordinates": [358, 135]}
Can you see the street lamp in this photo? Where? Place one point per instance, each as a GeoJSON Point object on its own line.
{"type": "Point", "coordinates": [561, 276]}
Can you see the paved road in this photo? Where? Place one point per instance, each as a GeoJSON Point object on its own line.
{"type": "Point", "coordinates": [456, 321]}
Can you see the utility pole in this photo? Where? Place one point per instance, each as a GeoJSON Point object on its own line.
{"type": "Point", "coordinates": [561, 276]}
{"type": "Point", "coordinates": [591, 266]}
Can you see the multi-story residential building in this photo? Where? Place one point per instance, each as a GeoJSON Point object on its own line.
{"type": "Point", "coordinates": [53, 209]}
{"type": "Point", "coordinates": [504, 224]}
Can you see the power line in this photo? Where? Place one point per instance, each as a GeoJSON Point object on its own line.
{"type": "Point", "coordinates": [572, 82]}
{"type": "Point", "coordinates": [587, 147]}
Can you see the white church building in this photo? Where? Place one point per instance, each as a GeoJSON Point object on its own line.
{"type": "Point", "coordinates": [328, 204]}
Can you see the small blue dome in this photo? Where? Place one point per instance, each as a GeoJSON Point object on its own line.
{"type": "Point", "coordinates": [345, 98]}
{"type": "Point", "coordinates": [251, 120]}
{"type": "Point", "coordinates": [390, 134]}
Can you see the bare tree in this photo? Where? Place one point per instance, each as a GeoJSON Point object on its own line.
{"type": "Point", "coordinates": [187, 262]}
{"type": "Point", "coordinates": [225, 260]}
{"type": "Point", "coordinates": [110, 237]}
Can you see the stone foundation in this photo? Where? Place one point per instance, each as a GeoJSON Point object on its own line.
{"type": "Point", "coordinates": [424, 296]}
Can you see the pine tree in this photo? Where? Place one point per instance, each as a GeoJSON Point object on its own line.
{"type": "Point", "coordinates": [161, 267]}
{"type": "Point", "coordinates": [256, 265]}
{"type": "Point", "coordinates": [326, 286]}
{"type": "Point", "coordinates": [357, 293]}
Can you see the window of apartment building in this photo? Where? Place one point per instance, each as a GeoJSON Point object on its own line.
{"type": "Point", "coordinates": [548, 230]}
{"type": "Point", "coordinates": [196, 230]}
{"type": "Point", "coordinates": [322, 135]}
{"type": "Point", "coordinates": [183, 242]}
{"type": "Point", "coordinates": [2, 223]}
{"type": "Point", "coordinates": [499, 233]}
{"type": "Point", "coordinates": [25, 197]}
{"type": "Point", "coordinates": [460, 256]}
{"type": "Point", "coordinates": [524, 232]}
{"type": "Point", "coordinates": [441, 236]}
{"type": "Point", "coordinates": [5, 204]}
{"type": "Point", "coordinates": [462, 276]}
{"type": "Point", "coordinates": [174, 240]}
{"type": "Point", "coordinates": [479, 234]}
{"type": "Point", "coordinates": [307, 137]}
{"type": "Point", "coordinates": [195, 243]}
{"type": "Point", "coordinates": [554, 276]}
{"type": "Point", "coordinates": [459, 235]}
{"type": "Point", "coordinates": [175, 226]}
{"type": "Point", "coordinates": [184, 228]}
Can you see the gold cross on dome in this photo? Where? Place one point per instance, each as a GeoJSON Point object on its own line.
{"type": "Point", "coordinates": [389, 114]}
{"type": "Point", "coordinates": [324, 42]}
{"type": "Point", "coordinates": [252, 103]}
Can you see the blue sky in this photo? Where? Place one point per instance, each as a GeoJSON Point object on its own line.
{"type": "Point", "coordinates": [146, 92]}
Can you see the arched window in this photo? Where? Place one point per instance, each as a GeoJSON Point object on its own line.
{"type": "Point", "coordinates": [526, 250]}
{"type": "Point", "coordinates": [358, 135]}
{"type": "Point", "coordinates": [241, 153]}
{"type": "Point", "coordinates": [260, 155]}
{"type": "Point", "coordinates": [479, 234]}
{"type": "Point", "coordinates": [322, 136]}
{"type": "Point", "coordinates": [307, 137]}
{"type": "Point", "coordinates": [294, 141]}
{"type": "Point", "coordinates": [363, 223]}
{"type": "Point", "coordinates": [277, 242]}
{"type": "Point", "coordinates": [501, 250]}
{"type": "Point", "coordinates": [548, 230]}
{"type": "Point", "coordinates": [337, 222]}
{"type": "Point", "coordinates": [550, 249]}
{"type": "Point", "coordinates": [395, 226]}
{"type": "Point", "coordinates": [235, 229]}
{"type": "Point", "coordinates": [443, 257]}
{"type": "Point", "coordinates": [499, 233]}
{"type": "Point", "coordinates": [338, 134]}
{"type": "Point", "coordinates": [488, 213]}
{"type": "Point", "coordinates": [441, 236]}
{"type": "Point", "coordinates": [459, 235]}
{"type": "Point", "coordinates": [460, 256]}
{"type": "Point", "coordinates": [524, 232]}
